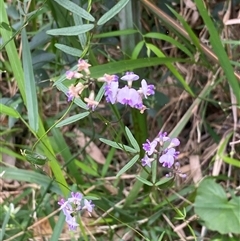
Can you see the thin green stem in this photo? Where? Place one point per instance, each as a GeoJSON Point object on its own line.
{"type": "Point", "coordinates": [68, 109]}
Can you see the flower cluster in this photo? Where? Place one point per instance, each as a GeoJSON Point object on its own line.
{"type": "Point", "coordinates": [126, 95]}
{"type": "Point", "coordinates": [113, 93]}
{"type": "Point", "coordinates": [167, 152]}
{"type": "Point", "coordinates": [73, 206]}
{"type": "Point", "coordinates": [74, 91]}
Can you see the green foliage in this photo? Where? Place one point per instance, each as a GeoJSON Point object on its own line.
{"type": "Point", "coordinates": [30, 87]}
{"type": "Point", "coordinates": [215, 209]}
{"type": "Point", "coordinates": [7, 110]}
{"type": "Point", "coordinates": [40, 40]}
{"type": "Point", "coordinates": [112, 12]}
{"type": "Point", "coordinates": [72, 119]}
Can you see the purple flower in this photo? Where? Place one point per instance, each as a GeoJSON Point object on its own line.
{"type": "Point", "coordinates": [83, 65]}
{"type": "Point", "coordinates": [74, 91]}
{"type": "Point", "coordinates": [91, 102]}
{"type": "Point", "coordinates": [130, 76]}
{"type": "Point", "coordinates": [111, 91]}
{"type": "Point", "coordinates": [146, 161]}
{"type": "Point", "coordinates": [61, 201]}
{"type": "Point", "coordinates": [108, 78]}
{"type": "Point", "coordinates": [67, 208]}
{"type": "Point", "coordinates": [149, 147]}
{"type": "Point", "coordinates": [73, 74]}
{"type": "Point", "coordinates": [88, 205]}
{"type": "Point", "coordinates": [146, 89]}
{"type": "Point", "coordinates": [71, 221]}
{"type": "Point", "coordinates": [76, 200]}
{"type": "Point", "coordinates": [69, 74]}
{"type": "Point", "coordinates": [129, 96]}
{"type": "Point", "coordinates": [73, 206]}
{"type": "Point", "coordinates": [174, 142]}
{"type": "Point", "coordinates": [168, 158]}
{"type": "Point", "coordinates": [162, 137]}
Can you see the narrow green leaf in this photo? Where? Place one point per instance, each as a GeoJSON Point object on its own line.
{"type": "Point", "coordinates": [124, 65]}
{"type": "Point", "coordinates": [72, 119]}
{"type": "Point", "coordinates": [219, 50]}
{"type": "Point", "coordinates": [9, 111]}
{"type": "Point", "coordinates": [189, 30]}
{"type": "Point", "coordinates": [231, 161]}
{"type": "Point", "coordinates": [6, 214]}
{"type": "Point", "coordinates": [137, 49]}
{"type": "Point", "coordinates": [119, 67]}
{"type": "Point", "coordinates": [100, 94]}
{"type": "Point", "coordinates": [30, 86]}
{"type": "Point", "coordinates": [132, 139]}
{"type": "Point", "coordinates": [86, 168]}
{"type": "Point", "coordinates": [128, 165]}
{"type": "Point", "coordinates": [115, 33]}
{"type": "Point", "coordinates": [83, 36]}
{"type": "Point", "coordinates": [112, 12]}
{"type": "Point", "coordinates": [161, 236]}
{"type": "Point", "coordinates": [163, 181]}
{"type": "Point", "coordinates": [58, 228]}
{"type": "Point", "coordinates": [31, 177]}
{"type": "Point", "coordinates": [170, 40]}
{"type": "Point", "coordinates": [145, 181]}
{"type": "Point", "coordinates": [71, 31]}
{"type": "Point", "coordinates": [74, 8]}
{"type": "Point", "coordinates": [69, 50]}
{"type": "Point", "coordinates": [118, 145]}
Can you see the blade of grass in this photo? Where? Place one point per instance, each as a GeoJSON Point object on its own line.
{"type": "Point", "coordinates": [219, 50]}
{"type": "Point", "coordinates": [31, 177]}
{"type": "Point", "coordinates": [29, 83]}
{"type": "Point", "coordinates": [8, 111]}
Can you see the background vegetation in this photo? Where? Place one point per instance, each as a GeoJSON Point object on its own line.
{"type": "Point", "coordinates": [189, 50]}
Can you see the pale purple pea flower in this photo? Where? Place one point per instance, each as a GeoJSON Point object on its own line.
{"type": "Point", "coordinates": [168, 158]}
{"type": "Point", "coordinates": [162, 138]}
{"type": "Point", "coordinates": [73, 206]}
{"type": "Point", "coordinates": [129, 96]}
{"type": "Point", "coordinates": [111, 91]}
{"type": "Point", "coordinates": [130, 76]}
{"type": "Point", "coordinates": [83, 65]}
{"type": "Point", "coordinates": [91, 102]}
{"type": "Point", "coordinates": [146, 89]}
{"type": "Point", "coordinates": [88, 205]}
{"type": "Point", "coordinates": [73, 74]}
{"type": "Point", "coordinates": [74, 91]}
{"type": "Point", "coordinates": [69, 74]}
{"type": "Point", "coordinates": [108, 78]}
{"type": "Point", "coordinates": [174, 142]}
{"type": "Point", "coordinates": [146, 161]}
{"type": "Point", "coordinates": [150, 147]}
{"type": "Point", "coordinates": [71, 221]}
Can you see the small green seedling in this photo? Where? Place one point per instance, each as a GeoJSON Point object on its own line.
{"type": "Point", "coordinates": [34, 158]}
